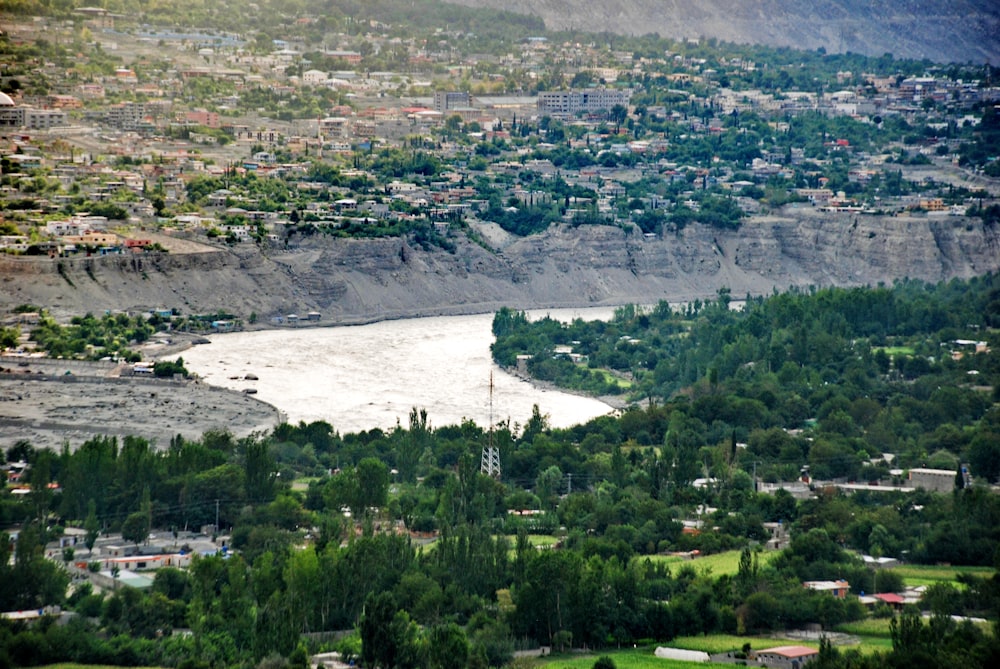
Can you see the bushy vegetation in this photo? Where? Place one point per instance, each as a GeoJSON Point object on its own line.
{"type": "Point", "coordinates": [302, 565]}
{"type": "Point", "coordinates": [866, 370]}
{"type": "Point", "coordinates": [92, 337]}
{"type": "Point", "coordinates": [9, 337]}
{"type": "Point", "coordinates": [819, 383]}
{"type": "Point", "coordinates": [169, 368]}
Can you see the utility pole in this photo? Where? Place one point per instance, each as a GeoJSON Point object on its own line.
{"type": "Point", "coordinates": [216, 516]}
{"type": "Point", "coordinates": [569, 484]}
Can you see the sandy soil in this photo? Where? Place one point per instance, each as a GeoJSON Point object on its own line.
{"type": "Point", "coordinates": [52, 408]}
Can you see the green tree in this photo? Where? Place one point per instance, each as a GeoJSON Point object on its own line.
{"type": "Point", "coordinates": [88, 476]}
{"type": "Point", "coordinates": [984, 455]}
{"type": "Point", "coordinates": [222, 604]}
{"type": "Point", "coordinates": [259, 469]}
{"type": "Point", "coordinates": [31, 581]}
{"type": "Point", "coordinates": [91, 526]}
{"type": "Point", "coordinates": [384, 636]}
{"type": "Point", "coordinates": [412, 446]}
{"type": "Point", "coordinates": [617, 115]}
{"type": "Point", "coordinates": [544, 600]}
{"type": "Point", "coordinates": [373, 484]}
{"type": "Point", "coordinates": [136, 527]}
{"type": "Point", "coordinates": [759, 613]}
{"type": "Point", "coordinates": [745, 581]}
{"type": "Point", "coordinates": [341, 491]}
{"type": "Point", "coordinates": [447, 647]}
{"type": "Point", "coordinates": [548, 486]}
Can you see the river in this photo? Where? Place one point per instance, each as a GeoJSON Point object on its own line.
{"type": "Point", "coordinates": [366, 376]}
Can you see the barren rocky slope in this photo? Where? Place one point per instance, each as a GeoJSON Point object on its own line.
{"type": "Point", "coordinates": [351, 281]}
{"type": "Point", "coordinates": [957, 31]}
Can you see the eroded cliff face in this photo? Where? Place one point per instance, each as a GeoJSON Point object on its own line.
{"type": "Point", "coordinates": [956, 31]}
{"type": "Point", "coordinates": [352, 281]}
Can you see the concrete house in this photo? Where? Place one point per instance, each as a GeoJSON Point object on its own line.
{"type": "Point", "coordinates": [935, 480]}
{"type": "Point", "coordinates": [791, 657]}
{"type": "Point", "coordinates": [838, 589]}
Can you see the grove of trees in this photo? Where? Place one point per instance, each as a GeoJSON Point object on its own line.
{"type": "Point", "coordinates": [397, 540]}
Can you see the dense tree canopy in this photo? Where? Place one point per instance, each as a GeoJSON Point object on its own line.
{"type": "Point", "coordinates": [822, 381]}
{"type": "Point", "coordinates": [868, 370]}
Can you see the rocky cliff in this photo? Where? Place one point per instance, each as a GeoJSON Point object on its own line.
{"type": "Point", "coordinates": [351, 281]}
{"type": "Point", "coordinates": [956, 31]}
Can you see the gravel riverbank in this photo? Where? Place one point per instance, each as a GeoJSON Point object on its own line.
{"type": "Point", "coordinates": [48, 407]}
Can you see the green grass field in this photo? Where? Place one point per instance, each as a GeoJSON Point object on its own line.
{"type": "Point", "coordinates": [719, 564]}
{"type": "Point", "coordinates": [723, 643]}
{"type": "Point", "coordinates": [301, 484]}
{"type": "Point", "coordinates": [874, 635]}
{"type": "Point", "coordinates": [624, 659]}
{"type": "Point", "coordinates": [923, 574]}
{"type": "Point", "coordinates": [871, 639]}
{"type": "Point", "coordinates": [873, 632]}
{"type": "Point", "coordinates": [610, 378]}
{"type": "Point", "coordinates": [872, 627]}
{"type": "Point", "coordinates": [896, 350]}
{"type": "Point", "coordinates": [716, 564]}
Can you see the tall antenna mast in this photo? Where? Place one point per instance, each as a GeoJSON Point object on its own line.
{"type": "Point", "coordinates": [490, 462]}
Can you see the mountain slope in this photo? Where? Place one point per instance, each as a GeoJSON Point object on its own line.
{"type": "Point", "coordinates": [957, 31]}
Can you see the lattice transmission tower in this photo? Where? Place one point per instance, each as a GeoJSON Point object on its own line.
{"type": "Point", "coordinates": [490, 462]}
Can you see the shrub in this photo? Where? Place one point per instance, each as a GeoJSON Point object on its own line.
{"type": "Point", "coordinates": [167, 369]}
{"type": "Point", "coordinates": [604, 662]}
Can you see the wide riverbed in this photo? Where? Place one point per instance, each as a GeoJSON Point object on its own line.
{"type": "Point", "coordinates": [366, 376]}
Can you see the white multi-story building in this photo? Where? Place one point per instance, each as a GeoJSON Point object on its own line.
{"type": "Point", "coordinates": [589, 100]}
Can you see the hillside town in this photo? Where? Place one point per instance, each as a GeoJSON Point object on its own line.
{"type": "Point", "coordinates": [220, 138]}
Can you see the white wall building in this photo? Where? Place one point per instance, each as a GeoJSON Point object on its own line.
{"type": "Point", "coordinates": [590, 100]}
